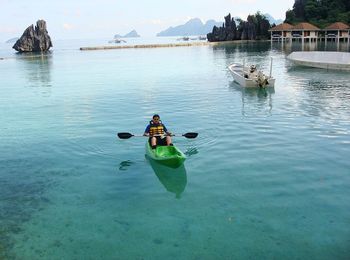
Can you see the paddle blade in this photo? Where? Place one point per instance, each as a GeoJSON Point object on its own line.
{"type": "Point", "coordinates": [190, 135]}
{"type": "Point", "coordinates": [125, 135]}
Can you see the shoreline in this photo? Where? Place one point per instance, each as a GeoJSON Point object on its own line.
{"type": "Point", "coordinates": [161, 45]}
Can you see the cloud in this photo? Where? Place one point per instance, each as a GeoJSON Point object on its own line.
{"type": "Point", "coordinates": [167, 22]}
{"type": "Point", "coordinates": [72, 12]}
{"type": "Point", "coordinates": [78, 13]}
{"type": "Point", "coordinates": [8, 30]}
{"type": "Point", "coordinates": [67, 26]}
{"type": "Point", "coordinates": [156, 22]}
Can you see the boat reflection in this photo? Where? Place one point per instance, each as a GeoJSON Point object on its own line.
{"type": "Point", "coordinates": [173, 179]}
{"type": "Point", "coordinates": [256, 100]}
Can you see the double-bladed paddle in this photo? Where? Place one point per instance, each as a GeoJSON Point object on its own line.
{"type": "Point", "coordinates": [125, 135]}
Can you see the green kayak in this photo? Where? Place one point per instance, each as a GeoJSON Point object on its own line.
{"type": "Point", "coordinates": [167, 155]}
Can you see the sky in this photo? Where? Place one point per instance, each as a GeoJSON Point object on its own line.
{"type": "Point", "coordinates": [93, 19]}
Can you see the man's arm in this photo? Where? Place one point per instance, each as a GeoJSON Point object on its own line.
{"type": "Point", "coordinates": [146, 133]}
{"type": "Point", "coordinates": [166, 131]}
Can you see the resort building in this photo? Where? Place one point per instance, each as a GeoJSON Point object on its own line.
{"type": "Point", "coordinates": [281, 32]}
{"type": "Point", "coordinates": [307, 32]}
{"type": "Point", "coordinates": [337, 31]}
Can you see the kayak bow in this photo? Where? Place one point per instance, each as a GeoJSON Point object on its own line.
{"type": "Point", "coordinates": [167, 155]}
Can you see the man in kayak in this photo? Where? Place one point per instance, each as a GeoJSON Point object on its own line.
{"type": "Point", "coordinates": [156, 131]}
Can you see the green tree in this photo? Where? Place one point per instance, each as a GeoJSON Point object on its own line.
{"type": "Point", "coordinates": [290, 16]}
{"type": "Point", "coordinates": [312, 10]}
{"type": "Point", "coordinates": [319, 12]}
{"type": "Point", "coordinates": [299, 9]}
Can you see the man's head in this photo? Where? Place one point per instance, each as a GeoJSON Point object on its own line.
{"type": "Point", "coordinates": [156, 118]}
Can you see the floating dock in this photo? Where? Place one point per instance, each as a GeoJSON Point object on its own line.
{"type": "Point", "coordinates": [322, 59]}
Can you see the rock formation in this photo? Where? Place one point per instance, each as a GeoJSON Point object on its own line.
{"type": "Point", "coordinates": [225, 33]}
{"type": "Point", "coordinates": [34, 39]}
{"type": "Point", "coordinates": [248, 29]}
{"type": "Point", "coordinates": [256, 27]}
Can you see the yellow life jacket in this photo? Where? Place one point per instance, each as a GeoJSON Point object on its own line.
{"type": "Point", "coordinates": [156, 129]}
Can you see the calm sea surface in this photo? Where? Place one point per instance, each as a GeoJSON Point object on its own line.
{"type": "Point", "coordinates": [268, 177]}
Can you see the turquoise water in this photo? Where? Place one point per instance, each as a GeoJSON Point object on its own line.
{"type": "Point", "coordinates": [267, 178]}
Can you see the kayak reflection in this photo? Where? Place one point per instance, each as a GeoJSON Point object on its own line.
{"type": "Point", "coordinates": [191, 151]}
{"type": "Point", "coordinates": [124, 165]}
{"type": "Point", "coordinates": [173, 179]}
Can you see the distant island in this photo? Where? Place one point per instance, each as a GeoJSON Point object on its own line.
{"type": "Point", "coordinates": [132, 34]}
{"type": "Point", "coordinates": [196, 27]}
{"type": "Point", "coordinates": [272, 20]}
{"type": "Point", "coordinates": [12, 40]}
{"type": "Point", "coordinates": [192, 27]}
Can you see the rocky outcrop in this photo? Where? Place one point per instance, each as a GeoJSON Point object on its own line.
{"type": "Point", "coordinates": [248, 30]}
{"type": "Point", "coordinates": [255, 28]}
{"type": "Point", "coordinates": [34, 39]}
{"type": "Point", "coordinates": [225, 33]}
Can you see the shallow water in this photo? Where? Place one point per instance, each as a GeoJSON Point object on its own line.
{"type": "Point", "coordinates": [267, 177]}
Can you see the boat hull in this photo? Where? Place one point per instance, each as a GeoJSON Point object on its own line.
{"type": "Point", "coordinates": [167, 155]}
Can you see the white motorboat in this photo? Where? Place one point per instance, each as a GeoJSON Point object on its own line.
{"type": "Point", "coordinates": [321, 59]}
{"type": "Point", "coordinates": [116, 41]}
{"type": "Point", "coordinates": [185, 38]}
{"type": "Point", "coordinates": [250, 76]}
